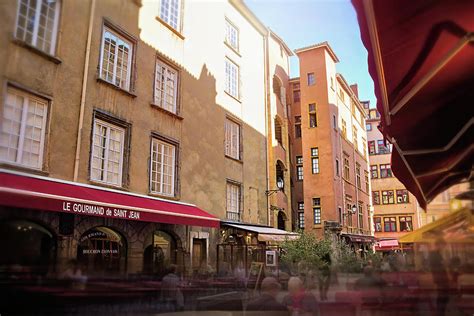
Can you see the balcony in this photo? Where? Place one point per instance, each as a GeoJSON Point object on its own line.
{"type": "Point", "coordinates": [234, 216]}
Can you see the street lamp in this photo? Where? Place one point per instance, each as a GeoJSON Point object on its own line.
{"type": "Point", "coordinates": [280, 185]}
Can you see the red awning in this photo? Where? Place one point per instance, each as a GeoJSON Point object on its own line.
{"type": "Point", "coordinates": [386, 244]}
{"type": "Point", "coordinates": [421, 58]}
{"type": "Point", "coordinates": [46, 194]}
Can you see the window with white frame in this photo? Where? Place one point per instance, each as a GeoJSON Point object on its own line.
{"type": "Point", "coordinates": [317, 210]}
{"type": "Point", "coordinates": [107, 153]}
{"type": "Point", "coordinates": [232, 139]}
{"type": "Point", "coordinates": [301, 215]}
{"type": "Point", "coordinates": [37, 23]}
{"type": "Point", "coordinates": [231, 35]}
{"type": "Point", "coordinates": [23, 129]}
{"type": "Point", "coordinates": [299, 168]}
{"type": "Point", "coordinates": [315, 160]}
{"type": "Point", "coordinates": [233, 201]}
{"type": "Point", "coordinates": [231, 78]}
{"type": "Point", "coordinates": [170, 13]}
{"type": "Point", "coordinates": [166, 86]}
{"type": "Point", "coordinates": [116, 59]}
{"type": "Point", "coordinates": [162, 167]}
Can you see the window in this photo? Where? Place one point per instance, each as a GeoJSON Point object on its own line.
{"type": "Point", "coordinates": [341, 95]}
{"type": "Point", "coordinates": [296, 96]}
{"type": "Point", "coordinates": [346, 167]}
{"type": "Point", "coordinates": [116, 59]}
{"type": "Point", "coordinates": [233, 203]}
{"type": "Point", "coordinates": [312, 115]}
{"type": "Point", "coordinates": [300, 215]}
{"type": "Point", "coordinates": [354, 137]}
{"type": "Point", "coordinates": [349, 214]}
{"type": "Point", "coordinates": [358, 181]}
{"type": "Point", "coordinates": [297, 126]}
{"type": "Point", "coordinates": [232, 139]}
{"type": "Point", "coordinates": [406, 223]}
{"type": "Point", "coordinates": [372, 147]}
{"type": "Point", "coordinates": [311, 79]}
{"type": "Point", "coordinates": [376, 197]}
{"type": "Point", "coordinates": [368, 127]}
{"type": "Point", "coordinates": [170, 13]}
{"type": "Point", "coordinates": [382, 149]}
{"type": "Point", "coordinates": [278, 131]}
{"type": "Point", "coordinates": [402, 196]}
{"type": "Point", "coordinates": [337, 168]}
{"type": "Point", "coordinates": [231, 78]}
{"type": "Point", "coordinates": [387, 197]}
{"type": "Point", "coordinates": [378, 224]}
{"type": "Point", "coordinates": [299, 168]}
{"type": "Point", "coordinates": [374, 171]}
{"type": "Point", "coordinates": [385, 171]}
{"type": "Point", "coordinates": [162, 167]}
{"type": "Point", "coordinates": [332, 83]}
{"type": "Point", "coordinates": [22, 135]}
{"type": "Point", "coordinates": [361, 216]}
{"type": "Point", "coordinates": [166, 86]}
{"type": "Point", "coordinates": [315, 160]}
{"type": "Point", "coordinates": [334, 121]}
{"type": "Point", "coordinates": [367, 183]}
{"type": "Point", "coordinates": [317, 210]}
{"type": "Point", "coordinates": [344, 129]}
{"type": "Point", "coordinates": [107, 153]}
{"type": "Point", "coordinates": [341, 216]}
{"type": "Point", "coordinates": [390, 224]}
{"type": "Point", "coordinates": [37, 23]}
{"type": "Point", "coordinates": [364, 147]}
{"type": "Point", "coordinates": [231, 35]}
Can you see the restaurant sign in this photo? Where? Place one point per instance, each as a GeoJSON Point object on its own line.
{"type": "Point", "coordinates": [96, 210]}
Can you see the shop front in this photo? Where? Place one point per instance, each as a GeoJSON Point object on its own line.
{"type": "Point", "coordinates": [106, 232]}
{"type": "Point", "coordinates": [244, 246]}
{"type": "Point", "coordinates": [362, 244]}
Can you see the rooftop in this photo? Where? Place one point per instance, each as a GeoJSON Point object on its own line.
{"type": "Point", "coordinates": [324, 44]}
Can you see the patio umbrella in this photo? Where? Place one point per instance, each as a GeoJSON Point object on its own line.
{"type": "Point", "coordinates": [421, 58]}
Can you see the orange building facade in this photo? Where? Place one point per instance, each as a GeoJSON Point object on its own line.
{"type": "Point", "coordinates": [395, 208]}
{"type": "Point", "coordinates": [330, 170]}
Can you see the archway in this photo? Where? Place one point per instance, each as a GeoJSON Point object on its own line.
{"type": "Point", "coordinates": [281, 220]}
{"type": "Point", "coordinates": [102, 250]}
{"type": "Point", "coordinates": [160, 253]}
{"type": "Point", "coordinates": [26, 247]}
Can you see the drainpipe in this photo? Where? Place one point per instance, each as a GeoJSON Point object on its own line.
{"type": "Point", "coordinates": [267, 113]}
{"type": "Point", "coordinates": [355, 172]}
{"type": "Point", "coordinates": [84, 90]}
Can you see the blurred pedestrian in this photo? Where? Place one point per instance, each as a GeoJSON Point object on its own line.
{"type": "Point", "coordinates": [440, 276]}
{"type": "Point", "coordinates": [299, 301]}
{"type": "Point", "coordinates": [266, 301]}
{"type": "Point", "coordinates": [324, 277]}
{"type": "Point", "coordinates": [171, 295]}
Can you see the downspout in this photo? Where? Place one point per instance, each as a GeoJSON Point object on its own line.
{"type": "Point", "coordinates": [267, 113]}
{"type": "Point", "coordinates": [83, 92]}
{"type": "Point", "coordinates": [355, 171]}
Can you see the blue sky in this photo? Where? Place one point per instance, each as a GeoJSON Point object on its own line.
{"type": "Point", "coordinates": [304, 22]}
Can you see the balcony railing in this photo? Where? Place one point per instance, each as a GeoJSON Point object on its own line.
{"type": "Point", "coordinates": [234, 216]}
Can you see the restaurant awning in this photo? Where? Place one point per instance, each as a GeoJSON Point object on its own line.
{"type": "Point", "coordinates": [48, 194]}
{"type": "Point", "coordinates": [421, 58]}
{"type": "Point", "coordinates": [457, 227]}
{"type": "Point", "coordinates": [359, 238]}
{"type": "Point", "coordinates": [265, 233]}
{"type": "Point", "coordinates": [386, 244]}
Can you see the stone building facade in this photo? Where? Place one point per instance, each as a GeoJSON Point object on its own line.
{"type": "Point", "coordinates": [140, 98]}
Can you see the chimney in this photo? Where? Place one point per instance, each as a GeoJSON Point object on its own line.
{"type": "Point", "coordinates": [355, 89]}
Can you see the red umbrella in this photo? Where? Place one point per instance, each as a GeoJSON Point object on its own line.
{"type": "Point", "coordinates": [421, 58]}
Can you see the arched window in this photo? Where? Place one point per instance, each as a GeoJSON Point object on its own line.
{"type": "Point", "coordinates": [28, 245]}
{"type": "Point", "coordinates": [278, 131]}
{"type": "Point", "coordinates": [102, 250]}
{"type": "Point", "coordinates": [281, 220]}
{"type": "Point", "coordinates": [160, 254]}
{"type": "Point", "coordinates": [280, 170]}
